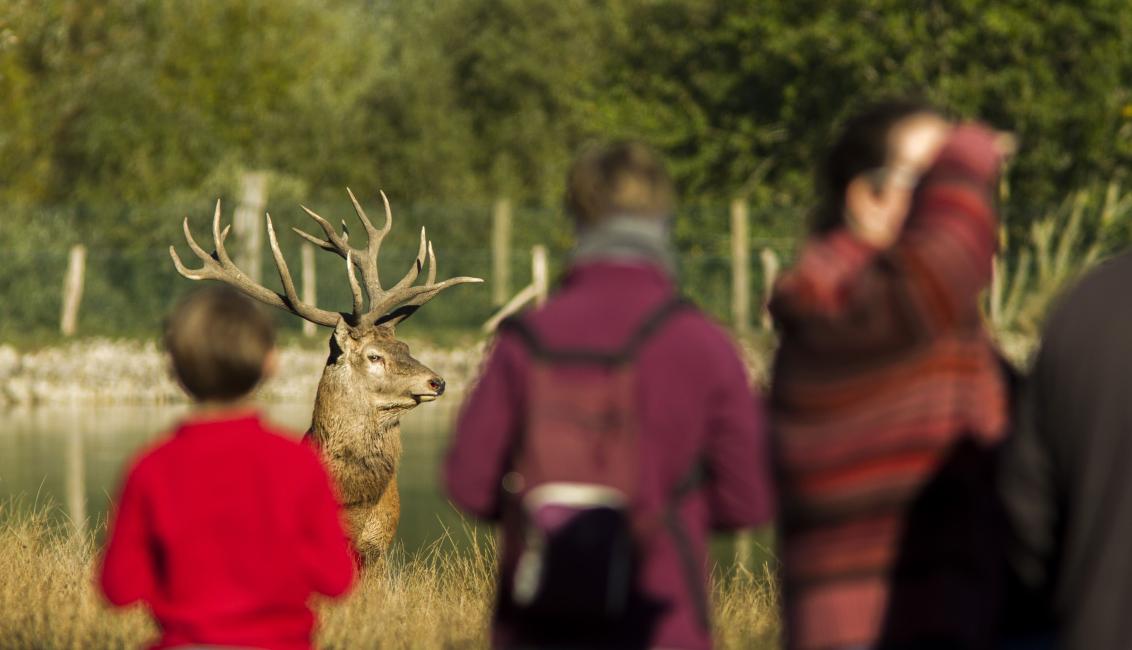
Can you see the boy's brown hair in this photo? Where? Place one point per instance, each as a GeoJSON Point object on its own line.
{"type": "Point", "coordinates": [218, 340]}
{"type": "Point", "coordinates": [618, 179]}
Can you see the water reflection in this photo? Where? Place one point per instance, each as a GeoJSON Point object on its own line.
{"type": "Point", "coordinates": [73, 457]}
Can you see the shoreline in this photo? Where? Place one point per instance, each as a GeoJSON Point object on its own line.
{"type": "Point", "coordinates": [106, 372]}
{"type": "Point", "coordinates": [93, 372]}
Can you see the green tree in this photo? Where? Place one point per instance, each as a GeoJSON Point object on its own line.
{"type": "Point", "coordinates": [743, 94]}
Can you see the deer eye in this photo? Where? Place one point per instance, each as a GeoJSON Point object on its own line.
{"type": "Point", "coordinates": [373, 357]}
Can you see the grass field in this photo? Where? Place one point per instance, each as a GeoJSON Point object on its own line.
{"type": "Point", "coordinates": [438, 598]}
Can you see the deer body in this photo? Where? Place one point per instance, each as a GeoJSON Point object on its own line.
{"type": "Point", "coordinates": [370, 380]}
{"type": "Point", "coordinates": [363, 458]}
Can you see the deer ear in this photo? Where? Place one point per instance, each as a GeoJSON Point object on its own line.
{"type": "Point", "coordinates": [340, 342]}
{"type": "Point", "coordinates": [342, 335]}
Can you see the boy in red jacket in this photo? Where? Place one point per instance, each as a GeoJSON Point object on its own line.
{"type": "Point", "coordinates": [225, 528]}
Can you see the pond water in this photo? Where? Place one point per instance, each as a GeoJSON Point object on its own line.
{"type": "Point", "coordinates": [73, 457]}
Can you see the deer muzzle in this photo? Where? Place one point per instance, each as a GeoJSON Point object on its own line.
{"type": "Point", "coordinates": [435, 388]}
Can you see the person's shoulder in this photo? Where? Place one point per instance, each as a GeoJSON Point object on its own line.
{"type": "Point", "coordinates": [1110, 275]}
{"type": "Point", "coordinates": [1100, 295]}
{"type": "Point", "coordinates": [558, 305]}
{"type": "Point", "coordinates": [695, 339]}
{"type": "Point", "coordinates": [152, 457]}
{"type": "Point", "coordinates": [299, 453]}
{"type": "Point", "coordinates": [697, 329]}
{"type": "Point", "coordinates": [282, 439]}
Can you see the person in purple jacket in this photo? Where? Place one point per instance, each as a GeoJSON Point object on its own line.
{"type": "Point", "coordinates": [693, 402]}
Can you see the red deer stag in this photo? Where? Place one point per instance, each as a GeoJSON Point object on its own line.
{"type": "Point", "coordinates": [370, 379]}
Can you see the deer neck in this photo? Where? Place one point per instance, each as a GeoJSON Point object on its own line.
{"type": "Point", "coordinates": [346, 422]}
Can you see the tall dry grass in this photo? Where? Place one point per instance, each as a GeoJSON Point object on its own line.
{"type": "Point", "coordinates": [438, 598]}
{"type": "Point", "coordinates": [47, 595]}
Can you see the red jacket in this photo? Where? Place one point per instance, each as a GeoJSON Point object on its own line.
{"type": "Point", "coordinates": [225, 530]}
{"type": "Point", "coordinates": [695, 402]}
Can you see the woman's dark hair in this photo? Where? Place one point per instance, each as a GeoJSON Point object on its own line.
{"type": "Point", "coordinates": [861, 146]}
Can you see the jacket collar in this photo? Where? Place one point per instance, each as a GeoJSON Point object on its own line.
{"type": "Point", "coordinates": [210, 422]}
{"type": "Point", "coordinates": [616, 272]}
{"type": "Point", "coordinates": [628, 239]}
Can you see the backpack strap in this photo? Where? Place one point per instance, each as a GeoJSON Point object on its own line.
{"type": "Point", "coordinates": [693, 479]}
{"type": "Point", "coordinates": [652, 324]}
{"type": "Point", "coordinates": [696, 476]}
{"type": "Point", "coordinates": [626, 353]}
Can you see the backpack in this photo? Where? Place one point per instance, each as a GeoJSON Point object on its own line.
{"type": "Point", "coordinates": [574, 482]}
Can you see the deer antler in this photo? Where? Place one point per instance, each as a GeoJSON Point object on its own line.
{"type": "Point", "coordinates": [219, 266]}
{"type": "Point", "coordinates": [365, 260]}
{"type": "Point", "coordinates": [404, 299]}
{"type": "Point", "coordinates": [385, 306]}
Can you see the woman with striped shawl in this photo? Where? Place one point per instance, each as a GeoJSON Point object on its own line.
{"type": "Point", "coordinates": [887, 397]}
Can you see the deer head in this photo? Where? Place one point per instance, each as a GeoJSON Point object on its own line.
{"type": "Point", "coordinates": [369, 373]}
{"type": "Point", "coordinates": [374, 370]}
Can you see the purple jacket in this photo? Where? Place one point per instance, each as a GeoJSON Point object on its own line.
{"type": "Point", "coordinates": [695, 402]}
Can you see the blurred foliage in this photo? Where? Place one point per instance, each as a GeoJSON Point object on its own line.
{"type": "Point", "coordinates": [1032, 270]}
{"type": "Point", "coordinates": [119, 117]}
{"type": "Point", "coordinates": [110, 101]}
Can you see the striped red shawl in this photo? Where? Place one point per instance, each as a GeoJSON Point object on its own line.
{"type": "Point", "coordinates": [886, 394]}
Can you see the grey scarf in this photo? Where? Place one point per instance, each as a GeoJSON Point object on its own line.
{"type": "Point", "coordinates": [628, 239]}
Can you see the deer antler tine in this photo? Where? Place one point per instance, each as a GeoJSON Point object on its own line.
{"type": "Point", "coordinates": [331, 236]}
{"type": "Point", "coordinates": [224, 233]}
{"type": "Point", "coordinates": [202, 274]}
{"type": "Point", "coordinates": [431, 265]}
{"type": "Point", "coordinates": [368, 258]}
{"type": "Point", "coordinates": [414, 297]}
{"type": "Point", "coordinates": [370, 230]}
{"type": "Point", "coordinates": [218, 240]}
{"type": "Point", "coordinates": [451, 282]}
{"type": "Point", "coordinates": [284, 272]}
{"type": "Point", "coordinates": [200, 252]}
{"type": "Point", "coordinates": [415, 269]}
{"type": "Point", "coordinates": [313, 314]}
{"type": "Point", "coordinates": [388, 213]}
{"type": "Point", "coordinates": [355, 288]}
{"type": "Point", "coordinates": [281, 265]}
{"type": "Point", "coordinates": [321, 243]}
{"type": "Point", "coordinates": [314, 215]}
{"type": "Point", "coordinates": [345, 231]}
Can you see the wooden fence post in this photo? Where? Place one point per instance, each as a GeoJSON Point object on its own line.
{"type": "Point", "coordinates": [310, 291]}
{"type": "Point", "coordinates": [247, 224]}
{"type": "Point", "coordinates": [740, 267]}
{"type": "Point", "coordinates": [540, 276]}
{"type": "Point", "coordinates": [73, 290]}
{"type": "Point", "coordinates": [771, 266]}
{"type": "Point", "coordinates": [537, 290]}
{"type": "Point", "coordinates": [501, 252]}
{"type": "Point", "coordinates": [744, 543]}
